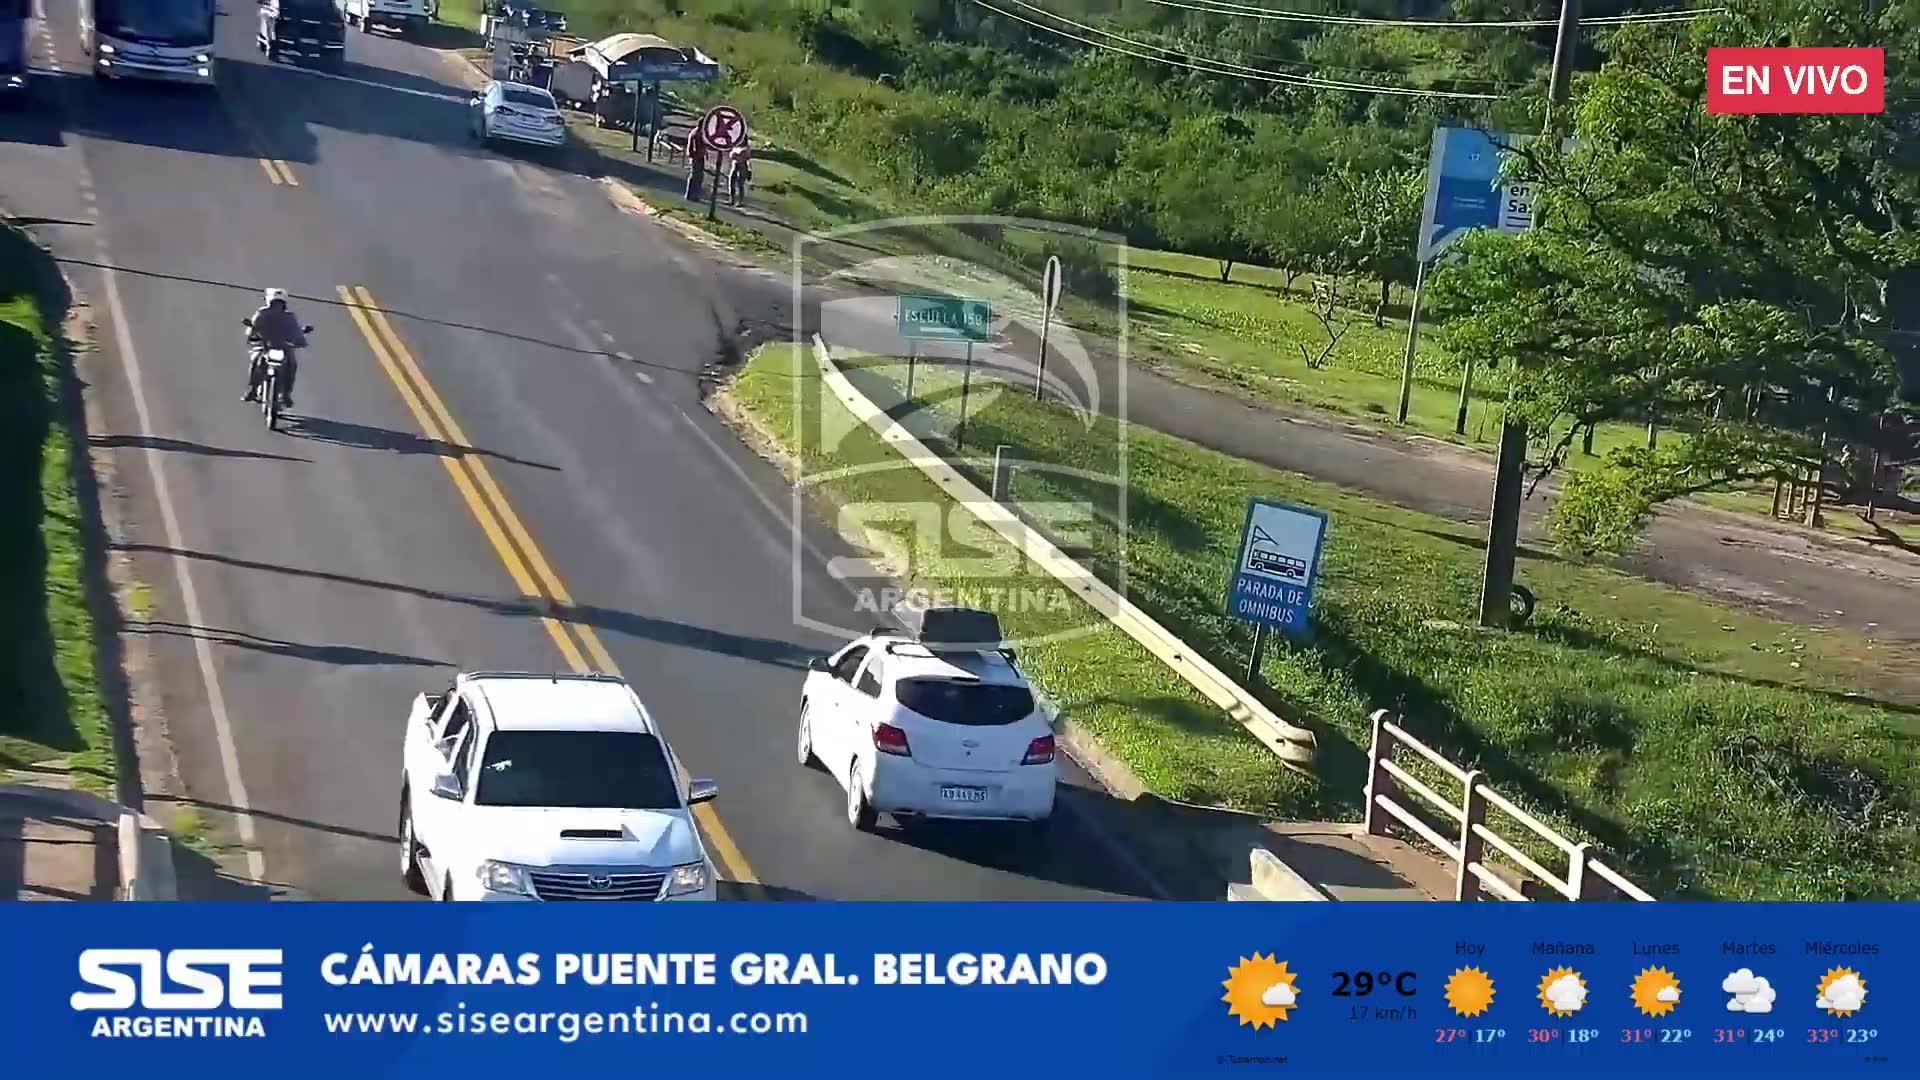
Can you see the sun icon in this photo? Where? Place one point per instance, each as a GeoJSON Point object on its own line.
{"type": "Point", "coordinates": [1842, 992]}
{"type": "Point", "coordinates": [1562, 991]}
{"type": "Point", "coordinates": [1260, 990]}
{"type": "Point", "coordinates": [1469, 991]}
{"type": "Point", "coordinates": [1656, 991]}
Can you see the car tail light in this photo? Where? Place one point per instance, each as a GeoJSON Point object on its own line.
{"type": "Point", "coordinates": [890, 740]}
{"type": "Point", "coordinates": [1039, 751]}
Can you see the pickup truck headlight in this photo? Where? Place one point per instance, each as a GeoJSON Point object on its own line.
{"type": "Point", "coordinates": [690, 878]}
{"type": "Point", "coordinates": [504, 877]}
{"type": "Point", "coordinates": [203, 58]}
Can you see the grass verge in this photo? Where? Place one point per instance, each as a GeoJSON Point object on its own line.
{"type": "Point", "coordinates": [50, 700]}
{"type": "Point", "coordinates": [1720, 753]}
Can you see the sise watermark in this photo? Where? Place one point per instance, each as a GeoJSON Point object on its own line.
{"type": "Point", "coordinates": [892, 413]}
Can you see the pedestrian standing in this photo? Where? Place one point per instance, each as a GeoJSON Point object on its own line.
{"type": "Point", "coordinates": [696, 164]}
{"type": "Point", "coordinates": [739, 172]}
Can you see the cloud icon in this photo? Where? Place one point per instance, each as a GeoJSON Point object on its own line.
{"type": "Point", "coordinates": [1844, 994]}
{"type": "Point", "coordinates": [1566, 994]}
{"type": "Point", "coordinates": [1277, 995]}
{"type": "Point", "coordinates": [1751, 993]}
{"type": "Point", "coordinates": [1667, 993]}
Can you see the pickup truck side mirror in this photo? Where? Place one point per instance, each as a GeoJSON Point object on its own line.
{"type": "Point", "coordinates": [700, 791]}
{"type": "Point", "coordinates": [448, 786]}
{"type": "Point", "coordinates": [248, 323]}
{"type": "Point", "coordinates": [306, 329]}
{"type": "Point", "coordinates": [819, 663]}
{"type": "Point", "coordinates": [474, 100]}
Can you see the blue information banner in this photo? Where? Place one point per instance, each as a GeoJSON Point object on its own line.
{"type": "Point", "coordinates": [988, 989]}
{"type": "Point", "coordinates": [1465, 189]}
{"type": "Point", "coordinates": [1277, 564]}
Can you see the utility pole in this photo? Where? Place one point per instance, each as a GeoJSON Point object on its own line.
{"type": "Point", "coordinates": [1503, 523]}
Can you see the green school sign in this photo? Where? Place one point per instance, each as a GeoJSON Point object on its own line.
{"type": "Point", "coordinates": [944, 318]}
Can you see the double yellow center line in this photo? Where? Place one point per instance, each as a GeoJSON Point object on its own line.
{"type": "Point", "coordinates": [529, 569]}
{"type": "Point", "coordinates": [279, 172]}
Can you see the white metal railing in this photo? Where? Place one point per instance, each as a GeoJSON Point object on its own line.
{"type": "Point", "coordinates": [1586, 877]}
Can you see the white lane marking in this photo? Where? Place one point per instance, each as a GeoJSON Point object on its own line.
{"type": "Point", "coordinates": [189, 597]}
{"type": "Point", "coordinates": [459, 99]}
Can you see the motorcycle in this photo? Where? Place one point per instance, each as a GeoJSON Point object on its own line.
{"type": "Point", "coordinates": [273, 362]}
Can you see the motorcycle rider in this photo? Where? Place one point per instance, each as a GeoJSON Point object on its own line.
{"type": "Point", "coordinates": [274, 326]}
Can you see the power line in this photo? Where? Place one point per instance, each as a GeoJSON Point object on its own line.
{"type": "Point", "coordinates": [1184, 59]}
{"type": "Point", "coordinates": [1227, 7]}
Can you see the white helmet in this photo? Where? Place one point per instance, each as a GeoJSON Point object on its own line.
{"type": "Point", "coordinates": [276, 294]}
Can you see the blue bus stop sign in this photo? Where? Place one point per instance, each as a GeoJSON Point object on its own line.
{"type": "Point", "coordinates": [1276, 565]}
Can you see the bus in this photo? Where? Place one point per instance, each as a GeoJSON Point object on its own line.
{"type": "Point", "coordinates": [169, 40]}
{"type": "Point", "coordinates": [13, 46]}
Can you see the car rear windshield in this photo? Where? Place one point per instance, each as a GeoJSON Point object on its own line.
{"type": "Point", "coordinates": [625, 770]}
{"type": "Point", "coordinates": [968, 703]}
{"type": "Point", "coordinates": [532, 99]}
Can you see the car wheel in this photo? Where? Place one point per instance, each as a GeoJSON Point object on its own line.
{"type": "Point", "coordinates": [806, 736]}
{"type": "Point", "coordinates": [860, 813]}
{"type": "Point", "coordinates": [410, 848]}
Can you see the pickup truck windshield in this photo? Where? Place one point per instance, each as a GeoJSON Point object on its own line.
{"type": "Point", "coordinates": [625, 770]}
{"type": "Point", "coordinates": [323, 10]}
{"type": "Point", "coordinates": [161, 22]}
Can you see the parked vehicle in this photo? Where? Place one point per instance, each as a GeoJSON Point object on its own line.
{"type": "Point", "coordinates": [514, 112]}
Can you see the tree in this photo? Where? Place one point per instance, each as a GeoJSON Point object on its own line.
{"type": "Point", "coordinates": [1196, 210]}
{"type": "Point", "coordinates": [1380, 210]}
{"type": "Point", "coordinates": [1685, 259]}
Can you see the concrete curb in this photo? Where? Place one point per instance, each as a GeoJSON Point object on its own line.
{"type": "Point", "coordinates": [146, 852]}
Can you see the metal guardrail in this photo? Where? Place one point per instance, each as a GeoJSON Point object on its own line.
{"type": "Point", "coordinates": [1295, 746]}
{"type": "Point", "coordinates": [1586, 878]}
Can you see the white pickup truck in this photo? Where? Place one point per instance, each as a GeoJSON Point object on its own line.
{"type": "Point", "coordinates": [406, 17]}
{"type": "Point", "coordinates": [523, 787]}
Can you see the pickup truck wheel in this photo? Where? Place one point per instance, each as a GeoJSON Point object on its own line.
{"type": "Point", "coordinates": [410, 848]}
{"type": "Point", "coordinates": [806, 737]}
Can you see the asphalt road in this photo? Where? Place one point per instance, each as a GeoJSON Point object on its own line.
{"type": "Point", "coordinates": [519, 419]}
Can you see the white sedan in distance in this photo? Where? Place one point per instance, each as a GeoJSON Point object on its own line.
{"type": "Point", "coordinates": [933, 724]}
{"type": "Point", "coordinates": [521, 786]}
{"type": "Point", "coordinates": [515, 112]}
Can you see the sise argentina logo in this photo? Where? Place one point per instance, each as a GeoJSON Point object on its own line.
{"type": "Point", "coordinates": [178, 993]}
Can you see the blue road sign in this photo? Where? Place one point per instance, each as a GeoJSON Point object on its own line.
{"type": "Point", "coordinates": [1278, 560]}
{"type": "Point", "coordinates": [1465, 190]}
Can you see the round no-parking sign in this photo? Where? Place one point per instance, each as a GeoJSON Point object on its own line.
{"type": "Point", "coordinates": [723, 127]}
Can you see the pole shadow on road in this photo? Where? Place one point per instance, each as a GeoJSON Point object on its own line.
{"type": "Point", "coordinates": [182, 446]}
{"type": "Point", "coordinates": [772, 651]}
{"type": "Point", "coordinates": [338, 655]}
{"type": "Point", "coordinates": [332, 301]}
{"type": "Point", "coordinates": [368, 437]}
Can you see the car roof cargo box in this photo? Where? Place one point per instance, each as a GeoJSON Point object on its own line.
{"type": "Point", "coordinates": [958, 629]}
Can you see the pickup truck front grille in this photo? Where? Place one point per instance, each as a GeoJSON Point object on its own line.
{"type": "Point", "coordinates": [555, 885]}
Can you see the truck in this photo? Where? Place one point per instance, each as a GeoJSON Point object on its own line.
{"type": "Point", "coordinates": [404, 17]}
{"type": "Point", "coordinates": [13, 47]}
{"type": "Point", "coordinates": [310, 30]}
{"type": "Point", "coordinates": [165, 40]}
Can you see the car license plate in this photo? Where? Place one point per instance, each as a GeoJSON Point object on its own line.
{"type": "Point", "coordinates": [964, 794]}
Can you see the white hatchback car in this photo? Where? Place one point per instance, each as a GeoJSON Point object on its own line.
{"type": "Point", "coordinates": [546, 787]}
{"type": "Point", "coordinates": [925, 732]}
{"type": "Point", "coordinates": [515, 112]}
